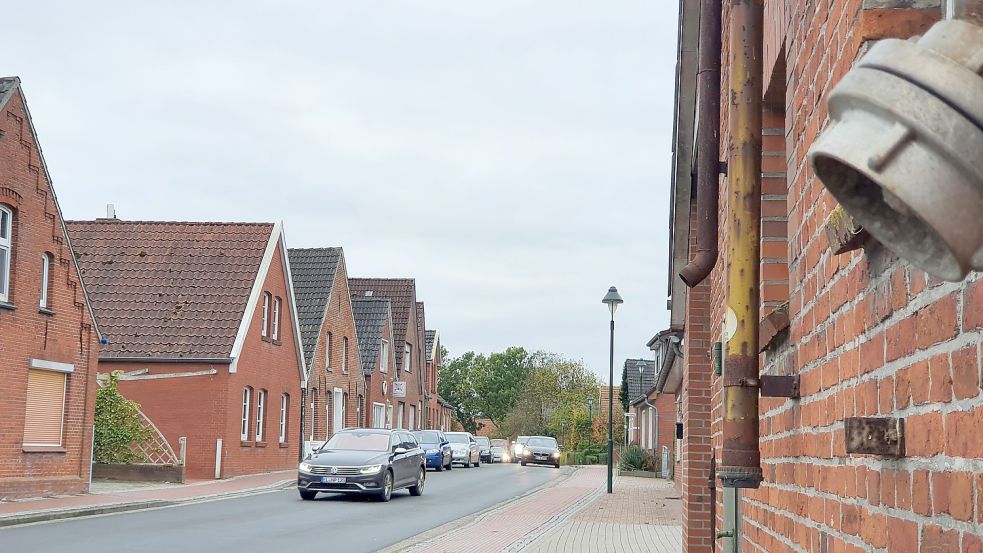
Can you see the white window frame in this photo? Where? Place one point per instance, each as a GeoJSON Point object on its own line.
{"type": "Point", "coordinates": [45, 278]}
{"type": "Point", "coordinates": [276, 319]}
{"type": "Point", "coordinates": [407, 358]}
{"type": "Point", "coordinates": [266, 315]}
{"type": "Point", "coordinates": [284, 403]}
{"type": "Point", "coordinates": [260, 414]}
{"type": "Point", "coordinates": [384, 363]}
{"type": "Point", "coordinates": [7, 246]}
{"type": "Point", "coordinates": [378, 415]}
{"type": "Point", "coordinates": [344, 354]}
{"type": "Point", "coordinates": [247, 394]}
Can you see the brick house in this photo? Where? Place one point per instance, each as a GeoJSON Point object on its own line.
{"type": "Point", "coordinates": [860, 331]}
{"type": "Point", "coordinates": [374, 325]}
{"type": "Point", "coordinates": [200, 320]}
{"type": "Point", "coordinates": [335, 395]}
{"type": "Point", "coordinates": [434, 418]}
{"type": "Point", "coordinates": [408, 344]}
{"type": "Point", "coordinates": [49, 339]}
{"type": "Point", "coordinates": [652, 416]}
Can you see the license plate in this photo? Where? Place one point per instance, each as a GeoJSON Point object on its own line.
{"type": "Point", "coordinates": [332, 479]}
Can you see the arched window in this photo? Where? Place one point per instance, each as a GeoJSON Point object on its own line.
{"type": "Point", "coordinates": [46, 259]}
{"type": "Point", "coordinates": [6, 250]}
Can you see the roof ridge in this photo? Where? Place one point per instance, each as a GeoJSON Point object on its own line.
{"type": "Point", "coordinates": [214, 223]}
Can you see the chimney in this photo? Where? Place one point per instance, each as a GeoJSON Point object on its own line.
{"type": "Point", "coordinates": [110, 211]}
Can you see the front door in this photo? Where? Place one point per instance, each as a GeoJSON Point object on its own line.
{"type": "Point", "coordinates": [339, 410]}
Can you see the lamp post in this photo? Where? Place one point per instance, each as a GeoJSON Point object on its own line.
{"type": "Point", "coordinates": [612, 299]}
{"type": "Point", "coordinates": [590, 418]}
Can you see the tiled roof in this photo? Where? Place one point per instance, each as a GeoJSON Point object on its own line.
{"type": "Point", "coordinates": [401, 292]}
{"type": "Point", "coordinates": [168, 289]}
{"type": "Point", "coordinates": [371, 315]}
{"type": "Point", "coordinates": [639, 381]}
{"type": "Point", "coordinates": [431, 334]}
{"type": "Point", "coordinates": [7, 87]}
{"type": "Point", "coordinates": [313, 271]}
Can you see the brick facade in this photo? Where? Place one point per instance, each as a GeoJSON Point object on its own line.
{"type": "Point", "coordinates": [63, 333]}
{"type": "Point", "coordinates": [654, 422]}
{"type": "Point", "coordinates": [868, 335]}
{"type": "Point", "coordinates": [379, 384]}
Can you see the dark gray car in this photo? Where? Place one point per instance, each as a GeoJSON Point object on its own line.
{"type": "Point", "coordinates": [364, 461]}
{"type": "Point", "coordinates": [541, 450]}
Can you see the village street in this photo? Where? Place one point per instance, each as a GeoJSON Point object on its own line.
{"type": "Point", "coordinates": [280, 521]}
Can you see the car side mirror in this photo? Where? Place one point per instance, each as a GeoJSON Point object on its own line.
{"type": "Point", "coordinates": [400, 450]}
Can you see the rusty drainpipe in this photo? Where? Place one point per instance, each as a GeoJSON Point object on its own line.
{"type": "Point", "coordinates": [740, 462]}
{"type": "Point", "coordinates": [707, 146]}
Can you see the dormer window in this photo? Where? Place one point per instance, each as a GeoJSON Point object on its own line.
{"type": "Point", "coordinates": [6, 251]}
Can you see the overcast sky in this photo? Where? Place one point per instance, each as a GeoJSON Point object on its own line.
{"type": "Point", "coordinates": [511, 155]}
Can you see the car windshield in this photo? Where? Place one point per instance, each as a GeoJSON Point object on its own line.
{"type": "Point", "coordinates": [498, 443]}
{"type": "Point", "coordinates": [541, 442]}
{"type": "Point", "coordinates": [483, 441]}
{"type": "Point", "coordinates": [457, 438]}
{"type": "Point", "coordinates": [358, 441]}
{"type": "Point", "coordinates": [427, 436]}
{"type": "Point", "coordinates": [522, 439]}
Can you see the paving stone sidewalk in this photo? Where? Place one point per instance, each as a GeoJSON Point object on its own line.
{"type": "Point", "coordinates": [574, 516]}
{"type": "Point", "coordinates": [117, 497]}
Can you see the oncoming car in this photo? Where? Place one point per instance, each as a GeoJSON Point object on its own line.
{"type": "Point", "coordinates": [465, 449]}
{"type": "Point", "coordinates": [364, 461]}
{"type": "Point", "coordinates": [541, 450]}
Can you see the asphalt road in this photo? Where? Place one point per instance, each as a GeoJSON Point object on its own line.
{"type": "Point", "coordinates": [281, 521]}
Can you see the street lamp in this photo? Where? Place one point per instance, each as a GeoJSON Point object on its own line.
{"type": "Point", "coordinates": [612, 299]}
{"type": "Point", "coordinates": [590, 418]}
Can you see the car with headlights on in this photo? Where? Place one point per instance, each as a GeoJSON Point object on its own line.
{"type": "Point", "coordinates": [500, 452]}
{"type": "Point", "coordinates": [541, 450]}
{"type": "Point", "coordinates": [517, 448]}
{"type": "Point", "coordinates": [484, 448]}
{"type": "Point", "coordinates": [369, 461]}
{"type": "Point", "coordinates": [436, 447]}
{"type": "Point", "coordinates": [464, 449]}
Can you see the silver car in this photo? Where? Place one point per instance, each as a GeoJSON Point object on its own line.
{"type": "Point", "coordinates": [464, 449]}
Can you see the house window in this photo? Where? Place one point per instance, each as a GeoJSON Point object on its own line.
{"type": "Point", "coordinates": [45, 278]}
{"type": "Point", "coordinates": [411, 424]}
{"type": "Point", "coordinates": [266, 315]}
{"type": "Point", "coordinates": [247, 393]}
{"type": "Point", "coordinates": [45, 409]}
{"type": "Point", "coordinates": [6, 247]}
{"type": "Point", "coordinates": [407, 354]}
{"type": "Point", "coordinates": [399, 415]}
{"type": "Point", "coordinates": [260, 414]}
{"type": "Point", "coordinates": [284, 405]}
{"type": "Point", "coordinates": [313, 412]}
{"type": "Point", "coordinates": [384, 363]}
{"type": "Point", "coordinates": [327, 352]}
{"type": "Point", "coordinates": [378, 415]}
{"type": "Point", "coordinates": [276, 319]}
{"type": "Point", "coordinates": [344, 354]}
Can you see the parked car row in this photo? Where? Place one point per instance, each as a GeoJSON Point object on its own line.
{"type": "Point", "coordinates": [377, 462]}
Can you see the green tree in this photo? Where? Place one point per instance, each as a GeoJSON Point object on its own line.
{"type": "Point", "coordinates": [457, 387]}
{"type": "Point", "coordinates": [498, 382]}
{"type": "Point", "coordinates": [623, 392]}
{"type": "Point", "coordinates": [118, 426]}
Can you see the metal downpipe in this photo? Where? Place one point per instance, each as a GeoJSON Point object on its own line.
{"type": "Point", "coordinates": [707, 146]}
{"type": "Point", "coordinates": [740, 462]}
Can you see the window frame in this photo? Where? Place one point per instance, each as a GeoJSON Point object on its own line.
{"type": "Point", "coordinates": [344, 354]}
{"type": "Point", "coordinates": [408, 358]}
{"type": "Point", "coordinates": [260, 414]}
{"type": "Point", "coordinates": [284, 413]}
{"type": "Point", "coordinates": [327, 351]}
{"type": "Point", "coordinates": [7, 246]}
{"type": "Point", "coordinates": [247, 394]}
{"type": "Point", "coordinates": [265, 331]}
{"type": "Point", "coordinates": [384, 362]}
{"type": "Point", "coordinates": [275, 334]}
{"type": "Point", "coordinates": [64, 401]}
{"type": "Point", "coordinates": [45, 301]}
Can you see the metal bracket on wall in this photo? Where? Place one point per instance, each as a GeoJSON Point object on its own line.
{"type": "Point", "coordinates": [780, 386]}
{"type": "Point", "coordinates": [875, 436]}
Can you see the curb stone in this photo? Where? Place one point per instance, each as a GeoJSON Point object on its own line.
{"type": "Point", "coordinates": [555, 521]}
{"type": "Point", "coordinates": [421, 540]}
{"type": "Point", "coordinates": [113, 508]}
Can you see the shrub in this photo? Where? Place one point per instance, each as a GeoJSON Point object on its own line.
{"type": "Point", "coordinates": [118, 426]}
{"type": "Point", "coordinates": [632, 459]}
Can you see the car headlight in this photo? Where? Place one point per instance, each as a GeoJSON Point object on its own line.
{"type": "Point", "coordinates": [527, 452]}
{"type": "Point", "coordinates": [306, 467]}
{"type": "Point", "coordinates": [371, 469]}
{"type": "Point", "coordinates": [556, 454]}
{"type": "Point", "coordinates": [432, 451]}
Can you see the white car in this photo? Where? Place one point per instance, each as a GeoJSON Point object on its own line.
{"type": "Point", "coordinates": [464, 449]}
{"type": "Point", "coordinates": [518, 447]}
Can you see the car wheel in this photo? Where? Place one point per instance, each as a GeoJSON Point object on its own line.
{"type": "Point", "coordinates": [440, 468]}
{"type": "Point", "coordinates": [421, 480]}
{"type": "Point", "coordinates": [387, 488]}
{"type": "Point", "coordinates": [307, 495]}
{"type": "Point", "coordinates": [449, 466]}
{"type": "Point", "coordinates": [557, 465]}
{"type": "Point", "coordinates": [467, 464]}
{"type": "Point", "coordinates": [523, 463]}
{"type": "Point", "coordinates": [477, 463]}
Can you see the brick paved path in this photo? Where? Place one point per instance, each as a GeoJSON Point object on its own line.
{"type": "Point", "coordinates": [576, 516]}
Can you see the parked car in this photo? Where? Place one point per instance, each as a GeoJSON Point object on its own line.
{"type": "Point", "coordinates": [500, 452]}
{"type": "Point", "coordinates": [464, 448]}
{"type": "Point", "coordinates": [517, 448]}
{"type": "Point", "coordinates": [436, 447]}
{"type": "Point", "coordinates": [484, 448]}
{"type": "Point", "coordinates": [364, 461]}
{"type": "Point", "coordinates": [541, 450]}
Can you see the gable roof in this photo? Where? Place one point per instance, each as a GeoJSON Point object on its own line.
{"type": "Point", "coordinates": [402, 293]}
{"type": "Point", "coordinates": [371, 316]}
{"type": "Point", "coordinates": [170, 289]}
{"type": "Point", "coordinates": [8, 85]}
{"type": "Point", "coordinates": [313, 271]}
{"type": "Point", "coordinates": [639, 382]}
{"type": "Point", "coordinates": [432, 340]}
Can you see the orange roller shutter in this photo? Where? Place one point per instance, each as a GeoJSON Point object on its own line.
{"type": "Point", "coordinates": [45, 407]}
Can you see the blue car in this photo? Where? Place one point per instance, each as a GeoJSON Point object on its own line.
{"type": "Point", "coordinates": [437, 448]}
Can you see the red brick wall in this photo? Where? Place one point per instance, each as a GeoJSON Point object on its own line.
{"type": "Point", "coordinates": [415, 378]}
{"type": "Point", "coordinates": [340, 323]}
{"type": "Point", "coordinates": [869, 336]}
{"type": "Point", "coordinates": [373, 383]}
{"type": "Point", "coordinates": [66, 335]}
{"type": "Point", "coordinates": [665, 405]}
